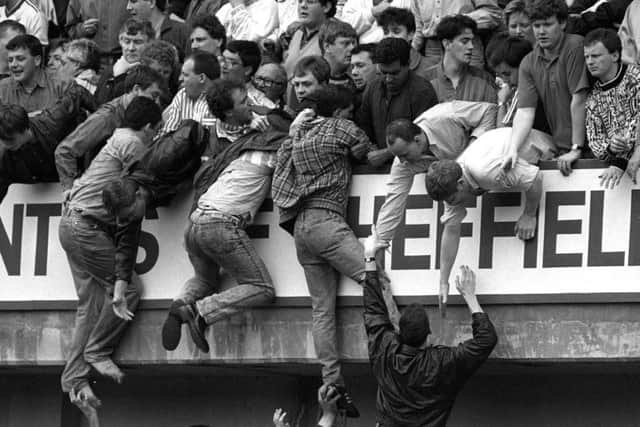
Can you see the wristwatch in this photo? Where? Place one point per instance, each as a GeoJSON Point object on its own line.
{"type": "Point", "coordinates": [370, 259]}
{"type": "Point", "coordinates": [576, 147]}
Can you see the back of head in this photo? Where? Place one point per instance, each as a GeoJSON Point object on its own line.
{"type": "Point", "coordinates": [442, 178]}
{"type": "Point", "coordinates": [90, 52]}
{"type": "Point", "coordinates": [332, 29]}
{"type": "Point", "coordinates": [402, 128]}
{"type": "Point", "coordinates": [414, 325]}
{"type": "Point", "coordinates": [248, 51]}
{"type": "Point", "coordinates": [608, 37]}
{"type": "Point", "coordinates": [315, 65]}
{"type": "Point", "coordinates": [212, 26]}
{"type": "Point", "coordinates": [13, 121]}
{"type": "Point", "coordinates": [332, 10]}
{"type": "Point", "coordinates": [452, 26]}
{"type": "Point", "coordinates": [220, 96]}
{"type": "Point", "coordinates": [370, 48]}
{"type": "Point", "coordinates": [142, 76]}
{"type": "Point", "coordinates": [140, 112]}
{"type": "Point", "coordinates": [399, 17]}
{"type": "Point", "coordinates": [328, 99]}
{"type": "Point", "coordinates": [12, 26]}
{"type": "Point", "coordinates": [26, 42]}
{"type": "Point", "coordinates": [544, 9]}
{"type": "Point", "coordinates": [511, 50]}
{"type": "Point", "coordinates": [392, 49]}
{"type": "Point", "coordinates": [205, 63]}
{"type": "Point", "coordinates": [161, 51]}
{"type": "Point", "coordinates": [132, 27]}
{"type": "Point", "coordinates": [514, 6]}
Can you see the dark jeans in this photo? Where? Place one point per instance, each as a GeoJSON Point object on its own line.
{"type": "Point", "coordinates": [216, 240]}
{"type": "Point", "coordinates": [326, 248]}
{"type": "Point", "coordinates": [91, 254]}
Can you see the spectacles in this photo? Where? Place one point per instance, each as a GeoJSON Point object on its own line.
{"type": "Point", "coordinates": [266, 82]}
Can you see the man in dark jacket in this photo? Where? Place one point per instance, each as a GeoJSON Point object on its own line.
{"type": "Point", "coordinates": [418, 384]}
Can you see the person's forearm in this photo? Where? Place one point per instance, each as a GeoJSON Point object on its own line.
{"type": "Point", "coordinates": [578, 115]}
{"type": "Point", "coordinates": [327, 420]}
{"type": "Point", "coordinates": [522, 125]}
{"type": "Point", "coordinates": [472, 303]}
{"type": "Point", "coordinates": [127, 239]}
{"type": "Point", "coordinates": [449, 250]}
{"type": "Point", "coordinates": [533, 195]}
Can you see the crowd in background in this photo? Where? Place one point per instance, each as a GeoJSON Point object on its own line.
{"type": "Point", "coordinates": [128, 103]}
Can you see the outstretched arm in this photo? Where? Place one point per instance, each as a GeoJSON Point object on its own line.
{"type": "Point", "coordinates": [448, 253]}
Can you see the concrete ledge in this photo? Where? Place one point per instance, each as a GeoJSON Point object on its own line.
{"type": "Point", "coordinates": [282, 336]}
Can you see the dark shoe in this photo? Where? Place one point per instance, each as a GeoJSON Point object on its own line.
{"type": "Point", "coordinates": [189, 314]}
{"type": "Point", "coordinates": [345, 402]}
{"type": "Point", "coordinates": [172, 327]}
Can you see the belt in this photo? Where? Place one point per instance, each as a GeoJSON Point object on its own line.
{"type": "Point", "coordinates": [237, 220]}
{"type": "Point", "coordinates": [93, 222]}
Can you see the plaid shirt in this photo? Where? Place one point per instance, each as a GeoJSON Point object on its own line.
{"type": "Point", "coordinates": [313, 169]}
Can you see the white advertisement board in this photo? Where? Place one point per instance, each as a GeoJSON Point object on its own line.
{"type": "Point", "coordinates": [588, 242]}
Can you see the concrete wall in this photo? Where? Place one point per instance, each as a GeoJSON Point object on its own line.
{"type": "Point", "coordinates": [575, 398]}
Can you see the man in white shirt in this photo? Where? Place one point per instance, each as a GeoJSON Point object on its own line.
{"type": "Point", "coordinates": [28, 14]}
{"type": "Point", "coordinates": [249, 19]}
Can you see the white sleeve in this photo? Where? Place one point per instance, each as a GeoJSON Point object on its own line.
{"type": "Point", "coordinates": [255, 23]}
{"type": "Point", "coordinates": [38, 26]}
{"type": "Point", "coordinates": [357, 13]}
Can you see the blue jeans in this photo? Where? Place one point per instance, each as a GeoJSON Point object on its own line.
{"type": "Point", "coordinates": [214, 240]}
{"type": "Point", "coordinates": [326, 248]}
{"type": "Point", "coordinates": [91, 254]}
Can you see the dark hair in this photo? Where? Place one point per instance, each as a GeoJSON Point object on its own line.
{"type": "Point", "coordinates": [508, 49]}
{"type": "Point", "coordinates": [328, 99]}
{"type": "Point", "coordinates": [608, 37]}
{"type": "Point", "coordinates": [219, 97]}
{"type": "Point", "coordinates": [90, 53]}
{"type": "Point", "coordinates": [13, 120]}
{"type": "Point", "coordinates": [248, 51]}
{"type": "Point", "coordinates": [161, 51]}
{"type": "Point", "coordinates": [514, 6]}
{"type": "Point", "coordinates": [442, 178]}
{"type": "Point", "coordinates": [212, 26]}
{"type": "Point", "coordinates": [205, 63]}
{"type": "Point", "coordinates": [161, 5]}
{"type": "Point", "coordinates": [543, 9]}
{"type": "Point", "coordinates": [397, 16]}
{"type": "Point", "coordinates": [332, 29]}
{"type": "Point", "coordinates": [27, 42]}
{"type": "Point", "coordinates": [118, 194]}
{"type": "Point", "coordinates": [134, 26]}
{"type": "Point", "coordinates": [392, 49]}
{"type": "Point", "coordinates": [452, 26]}
{"type": "Point", "coordinates": [414, 325]}
{"type": "Point", "coordinates": [143, 76]}
{"type": "Point", "coordinates": [10, 24]}
{"type": "Point", "coordinates": [140, 112]}
{"type": "Point", "coordinates": [332, 10]}
{"type": "Point", "coordinates": [402, 128]}
{"type": "Point", "coordinates": [314, 65]}
{"type": "Point", "coordinates": [367, 47]}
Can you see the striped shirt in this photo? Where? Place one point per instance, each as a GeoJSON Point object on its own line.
{"type": "Point", "coordinates": [183, 108]}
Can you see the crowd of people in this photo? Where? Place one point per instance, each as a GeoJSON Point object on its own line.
{"type": "Point", "coordinates": [128, 103]}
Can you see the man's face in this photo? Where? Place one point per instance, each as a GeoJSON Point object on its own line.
{"type": "Point", "coordinates": [140, 9]}
{"type": "Point", "coordinates": [132, 46]}
{"type": "Point", "coordinates": [312, 13]}
{"type": "Point", "coordinates": [464, 195]}
{"type": "Point", "coordinates": [22, 65]}
{"type": "Point", "coordinates": [405, 151]}
{"type": "Point", "coordinates": [55, 60]}
{"type": "Point", "coordinates": [17, 140]}
{"type": "Point", "coordinates": [163, 69]}
{"type": "Point", "coordinates": [202, 41]}
{"type": "Point", "coordinates": [363, 70]}
{"type": "Point", "coordinates": [152, 92]}
{"type": "Point", "coordinates": [3, 46]}
{"type": "Point", "coordinates": [461, 47]}
{"type": "Point", "coordinates": [270, 81]}
{"type": "Point", "coordinates": [304, 85]}
{"type": "Point", "coordinates": [548, 32]}
{"type": "Point", "coordinates": [398, 31]}
{"type": "Point", "coordinates": [507, 74]}
{"type": "Point", "coordinates": [232, 67]}
{"type": "Point", "coordinates": [71, 63]}
{"type": "Point", "coordinates": [520, 26]}
{"type": "Point", "coordinates": [600, 62]}
{"type": "Point", "coordinates": [340, 50]}
{"type": "Point", "coordinates": [193, 83]}
{"type": "Point", "coordinates": [395, 75]}
{"type": "Point", "coordinates": [241, 113]}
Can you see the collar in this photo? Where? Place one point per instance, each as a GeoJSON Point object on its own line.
{"type": "Point", "coordinates": [230, 132]}
{"type": "Point", "coordinates": [408, 350]}
{"type": "Point", "coordinates": [474, 184]}
{"type": "Point", "coordinates": [13, 10]}
{"type": "Point", "coordinates": [167, 25]}
{"type": "Point", "coordinates": [442, 76]}
{"type": "Point", "coordinates": [551, 56]}
{"type": "Point", "coordinates": [40, 80]}
{"type": "Point", "coordinates": [615, 81]}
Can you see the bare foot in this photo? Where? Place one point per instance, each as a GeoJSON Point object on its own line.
{"type": "Point", "coordinates": [109, 369]}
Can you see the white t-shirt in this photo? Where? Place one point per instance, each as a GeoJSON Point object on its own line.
{"type": "Point", "coordinates": [29, 15]}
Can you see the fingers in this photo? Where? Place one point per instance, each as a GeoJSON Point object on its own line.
{"type": "Point", "coordinates": [564, 166]}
